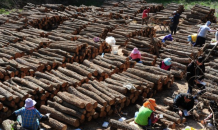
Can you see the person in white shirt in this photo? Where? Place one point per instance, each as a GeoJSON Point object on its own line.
{"type": "Point", "coordinates": [202, 32]}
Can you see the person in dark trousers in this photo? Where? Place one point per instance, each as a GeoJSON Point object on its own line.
{"type": "Point", "coordinates": [175, 22]}
{"type": "Point", "coordinates": [183, 101]}
{"type": "Point", "coordinates": [202, 32]}
{"type": "Point", "coordinates": [195, 74]}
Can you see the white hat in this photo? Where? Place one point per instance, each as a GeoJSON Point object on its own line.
{"type": "Point", "coordinates": [174, 12]}
{"type": "Point", "coordinates": [29, 103]}
{"type": "Point", "coordinates": [110, 40]}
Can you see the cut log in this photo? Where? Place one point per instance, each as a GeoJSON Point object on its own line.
{"type": "Point", "coordinates": [121, 125]}
{"type": "Point", "coordinates": [75, 101]}
{"type": "Point", "coordinates": [65, 110]}
{"type": "Point", "coordinates": [84, 89]}
{"type": "Point", "coordinates": [56, 124]}
{"type": "Point", "coordinates": [60, 116]}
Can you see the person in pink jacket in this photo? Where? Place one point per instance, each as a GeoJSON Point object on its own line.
{"type": "Point", "coordinates": [135, 55]}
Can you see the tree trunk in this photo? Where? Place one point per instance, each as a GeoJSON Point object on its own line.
{"type": "Point", "coordinates": [121, 125]}
{"type": "Point", "coordinates": [78, 70]}
{"type": "Point", "coordinates": [72, 90]}
{"type": "Point", "coordinates": [151, 77]}
{"type": "Point", "coordinates": [85, 90]}
{"type": "Point", "coordinates": [56, 124]}
{"type": "Point", "coordinates": [74, 101]}
{"type": "Point", "coordinates": [68, 105]}
{"type": "Point", "coordinates": [38, 82]}
{"type": "Point", "coordinates": [65, 110]}
{"type": "Point", "coordinates": [60, 116]}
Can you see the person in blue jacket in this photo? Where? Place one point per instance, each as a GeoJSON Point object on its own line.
{"type": "Point", "coordinates": [175, 22]}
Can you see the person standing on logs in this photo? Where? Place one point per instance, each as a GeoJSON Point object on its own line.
{"type": "Point", "coordinates": [174, 22]}
{"type": "Point", "coordinates": [195, 74]}
{"type": "Point", "coordinates": [135, 55]}
{"type": "Point", "coordinates": [167, 38]}
{"type": "Point", "coordinates": [183, 101]}
{"type": "Point", "coordinates": [30, 115]}
{"type": "Point", "coordinates": [146, 116]}
{"type": "Point", "coordinates": [166, 64]}
{"type": "Point", "coordinates": [192, 39]}
{"type": "Point", "coordinates": [145, 16]}
{"type": "Point", "coordinates": [202, 32]}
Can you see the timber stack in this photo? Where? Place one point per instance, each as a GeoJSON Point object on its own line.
{"type": "Point", "coordinates": [204, 13]}
{"type": "Point", "coordinates": [162, 17]}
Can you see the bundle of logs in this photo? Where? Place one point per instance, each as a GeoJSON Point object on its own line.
{"type": "Point", "coordinates": [72, 26]}
{"type": "Point", "coordinates": [13, 25]}
{"type": "Point", "coordinates": [108, 65]}
{"type": "Point", "coordinates": [128, 31]}
{"type": "Point", "coordinates": [203, 13]}
{"type": "Point", "coordinates": [162, 18]}
{"type": "Point", "coordinates": [90, 101]}
{"type": "Point", "coordinates": [97, 30]}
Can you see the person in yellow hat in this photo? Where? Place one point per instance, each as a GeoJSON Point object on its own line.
{"type": "Point", "coordinates": [146, 115]}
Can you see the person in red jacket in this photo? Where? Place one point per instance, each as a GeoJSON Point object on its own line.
{"type": "Point", "coordinates": [145, 15]}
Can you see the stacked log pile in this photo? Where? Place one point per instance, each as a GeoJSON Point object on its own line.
{"type": "Point", "coordinates": [162, 17]}
{"type": "Point", "coordinates": [72, 26]}
{"type": "Point", "coordinates": [106, 66]}
{"type": "Point", "coordinates": [97, 30]}
{"type": "Point", "coordinates": [122, 34]}
{"type": "Point", "coordinates": [90, 101]}
{"type": "Point", "coordinates": [202, 13]}
{"type": "Point", "coordinates": [13, 25]}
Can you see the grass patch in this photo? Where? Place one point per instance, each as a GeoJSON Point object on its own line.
{"type": "Point", "coordinates": [7, 12]}
{"type": "Point", "coordinates": [3, 11]}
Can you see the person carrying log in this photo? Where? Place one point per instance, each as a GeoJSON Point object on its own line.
{"type": "Point", "coordinates": [167, 38]}
{"type": "Point", "coordinates": [30, 115]}
{"type": "Point", "coordinates": [192, 39]}
{"type": "Point", "coordinates": [195, 74]}
{"type": "Point", "coordinates": [145, 16]}
{"type": "Point", "coordinates": [183, 101]}
{"type": "Point", "coordinates": [166, 64]}
{"type": "Point", "coordinates": [146, 116]}
{"type": "Point", "coordinates": [174, 22]}
{"type": "Point", "coordinates": [202, 32]}
{"type": "Point", "coordinates": [135, 55]}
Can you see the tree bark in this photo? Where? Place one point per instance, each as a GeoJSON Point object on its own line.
{"type": "Point", "coordinates": [60, 116]}
{"type": "Point", "coordinates": [65, 110]}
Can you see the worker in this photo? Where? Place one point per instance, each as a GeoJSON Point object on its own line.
{"type": "Point", "coordinates": [192, 39]}
{"type": "Point", "coordinates": [183, 101]}
{"type": "Point", "coordinates": [135, 55]}
{"type": "Point", "coordinates": [96, 39]}
{"type": "Point", "coordinates": [30, 115]}
{"type": "Point", "coordinates": [145, 16]}
{"type": "Point", "coordinates": [216, 36]}
{"type": "Point", "coordinates": [146, 115]}
{"type": "Point", "coordinates": [202, 32]}
{"type": "Point", "coordinates": [174, 22]}
{"type": "Point", "coordinates": [195, 74]}
{"type": "Point", "coordinates": [167, 38]}
{"type": "Point", "coordinates": [166, 64]}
